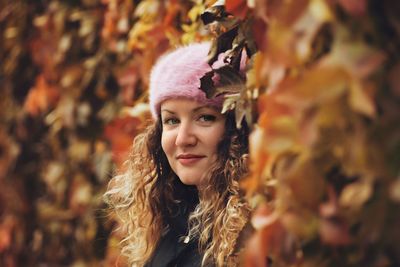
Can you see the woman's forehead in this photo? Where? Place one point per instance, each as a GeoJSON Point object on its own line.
{"type": "Point", "coordinates": [184, 105]}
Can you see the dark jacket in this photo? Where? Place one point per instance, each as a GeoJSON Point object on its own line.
{"type": "Point", "coordinates": [172, 249]}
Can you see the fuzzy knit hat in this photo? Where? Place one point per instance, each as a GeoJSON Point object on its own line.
{"type": "Point", "coordinates": [177, 75]}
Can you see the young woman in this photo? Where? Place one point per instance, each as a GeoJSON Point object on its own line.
{"type": "Point", "coordinates": [179, 200]}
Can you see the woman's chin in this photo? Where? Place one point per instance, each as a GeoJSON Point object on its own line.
{"type": "Point", "coordinates": [189, 181]}
{"type": "Point", "coordinates": [191, 178]}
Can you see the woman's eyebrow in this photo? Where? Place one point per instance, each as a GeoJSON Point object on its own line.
{"type": "Point", "coordinates": [167, 110]}
{"type": "Point", "coordinates": [203, 107]}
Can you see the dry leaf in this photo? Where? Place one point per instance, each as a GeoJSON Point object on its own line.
{"type": "Point", "coordinates": [238, 8]}
{"type": "Point", "coordinates": [334, 233]}
{"type": "Point", "coordinates": [356, 194]}
{"type": "Point", "coordinates": [354, 7]}
{"type": "Point", "coordinates": [41, 97]}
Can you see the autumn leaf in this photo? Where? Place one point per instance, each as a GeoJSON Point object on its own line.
{"type": "Point", "coordinates": [264, 240]}
{"type": "Point", "coordinates": [360, 98]}
{"type": "Point", "coordinates": [226, 80]}
{"type": "Point", "coordinates": [9, 151]}
{"type": "Point", "coordinates": [259, 27]}
{"type": "Point", "coordinates": [281, 12]}
{"type": "Point", "coordinates": [173, 8]}
{"type": "Point", "coordinates": [355, 56]}
{"type": "Point", "coordinates": [324, 153]}
{"type": "Point", "coordinates": [356, 194]}
{"type": "Point", "coordinates": [80, 194]}
{"type": "Point", "coordinates": [120, 133]}
{"type": "Point", "coordinates": [222, 44]}
{"type": "Point", "coordinates": [127, 79]}
{"type": "Point", "coordinates": [214, 13]}
{"type": "Point", "coordinates": [394, 80]}
{"type": "Point", "coordinates": [7, 226]}
{"type": "Point", "coordinates": [238, 8]}
{"type": "Point", "coordinates": [334, 233]}
{"type": "Point", "coordinates": [354, 7]}
{"type": "Point", "coordinates": [394, 190]}
{"type": "Point", "coordinates": [41, 97]}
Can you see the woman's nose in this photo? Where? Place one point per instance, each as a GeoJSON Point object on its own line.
{"type": "Point", "coordinates": [185, 136]}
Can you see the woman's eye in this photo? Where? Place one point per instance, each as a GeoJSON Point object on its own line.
{"type": "Point", "coordinates": [171, 121]}
{"type": "Point", "coordinates": [207, 118]}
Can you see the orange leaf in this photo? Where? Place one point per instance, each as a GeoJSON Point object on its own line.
{"type": "Point", "coordinates": [173, 9]}
{"type": "Point", "coordinates": [127, 79]}
{"type": "Point", "coordinates": [41, 97]}
{"type": "Point", "coordinates": [121, 132]}
{"type": "Point", "coordinates": [6, 232]}
{"type": "Point", "coordinates": [258, 245]}
{"type": "Point", "coordinates": [315, 86]}
{"type": "Point", "coordinates": [265, 240]}
{"type": "Point", "coordinates": [286, 12]}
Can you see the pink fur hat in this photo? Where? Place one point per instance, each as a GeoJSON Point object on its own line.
{"type": "Point", "coordinates": [177, 75]}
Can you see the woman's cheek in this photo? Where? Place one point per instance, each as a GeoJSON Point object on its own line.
{"type": "Point", "coordinates": [167, 141]}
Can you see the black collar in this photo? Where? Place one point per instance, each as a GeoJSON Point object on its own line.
{"type": "Point", "coordinates": [186, 199]}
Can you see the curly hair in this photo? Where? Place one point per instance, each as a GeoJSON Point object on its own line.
{"type": "Point", "coordinates": [145, 191]}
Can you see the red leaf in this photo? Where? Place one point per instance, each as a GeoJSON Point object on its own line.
{"type": "Point", "coordinates": [354, 7]}
{"type": "Point", "coordinates": [238, 8]}
{"type": "Point", "coordinates": [259, 30]}
{"type": "Point", "coordinates": [266, 240]}
{"type": "Point", "coordinates": [334, 232]}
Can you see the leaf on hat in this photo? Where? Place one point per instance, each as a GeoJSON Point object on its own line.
{"type": "Point", "coordinates": [238, 97]}
{"type": "Point", "coordinates": [213, 13]}
{"type": "Point", "coordinates": [207, 84]}
{"type": "Point", "coordinates": [232, 37]}
{"type": "Point", "coordinates": [229, 81]}
{"type": "Point", "coordinates": [222, 44]}
{"type": "Point", "coordinates": [223, 26]}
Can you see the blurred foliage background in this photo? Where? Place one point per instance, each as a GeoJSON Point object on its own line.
{"type": "Point", "coordinates": [322, 95]}
{"type": "Point", "coordinates": [73, 82]}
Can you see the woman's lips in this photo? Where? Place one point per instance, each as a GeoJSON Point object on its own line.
{"type": "Point", "coordinates": [189, 159]}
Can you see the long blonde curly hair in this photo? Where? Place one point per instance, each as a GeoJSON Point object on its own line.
{"type": "Point", "coordinates": [141, 195]}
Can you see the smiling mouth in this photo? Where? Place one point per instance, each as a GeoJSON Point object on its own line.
{"type": "Point", "coordinates": [189, 159]}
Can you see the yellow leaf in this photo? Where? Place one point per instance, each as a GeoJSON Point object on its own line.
{"type": "Point", "coordinates": [394, 191]}
{"type": "Point", "coordinates": [79, 150]}
{"type": "Point", "coordinates": [321, 10]}
{"type": "Point", "coordinates": [195, 12]}
{"type": "Point", "coordinates": [360, 100]}
{"type": "Point", "coordinates": [301, 224]}
{"type": "Point", "coordinates": [356, 194]}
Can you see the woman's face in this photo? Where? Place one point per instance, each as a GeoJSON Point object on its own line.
{"type": "Point", "coordinates": [191, 132]}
